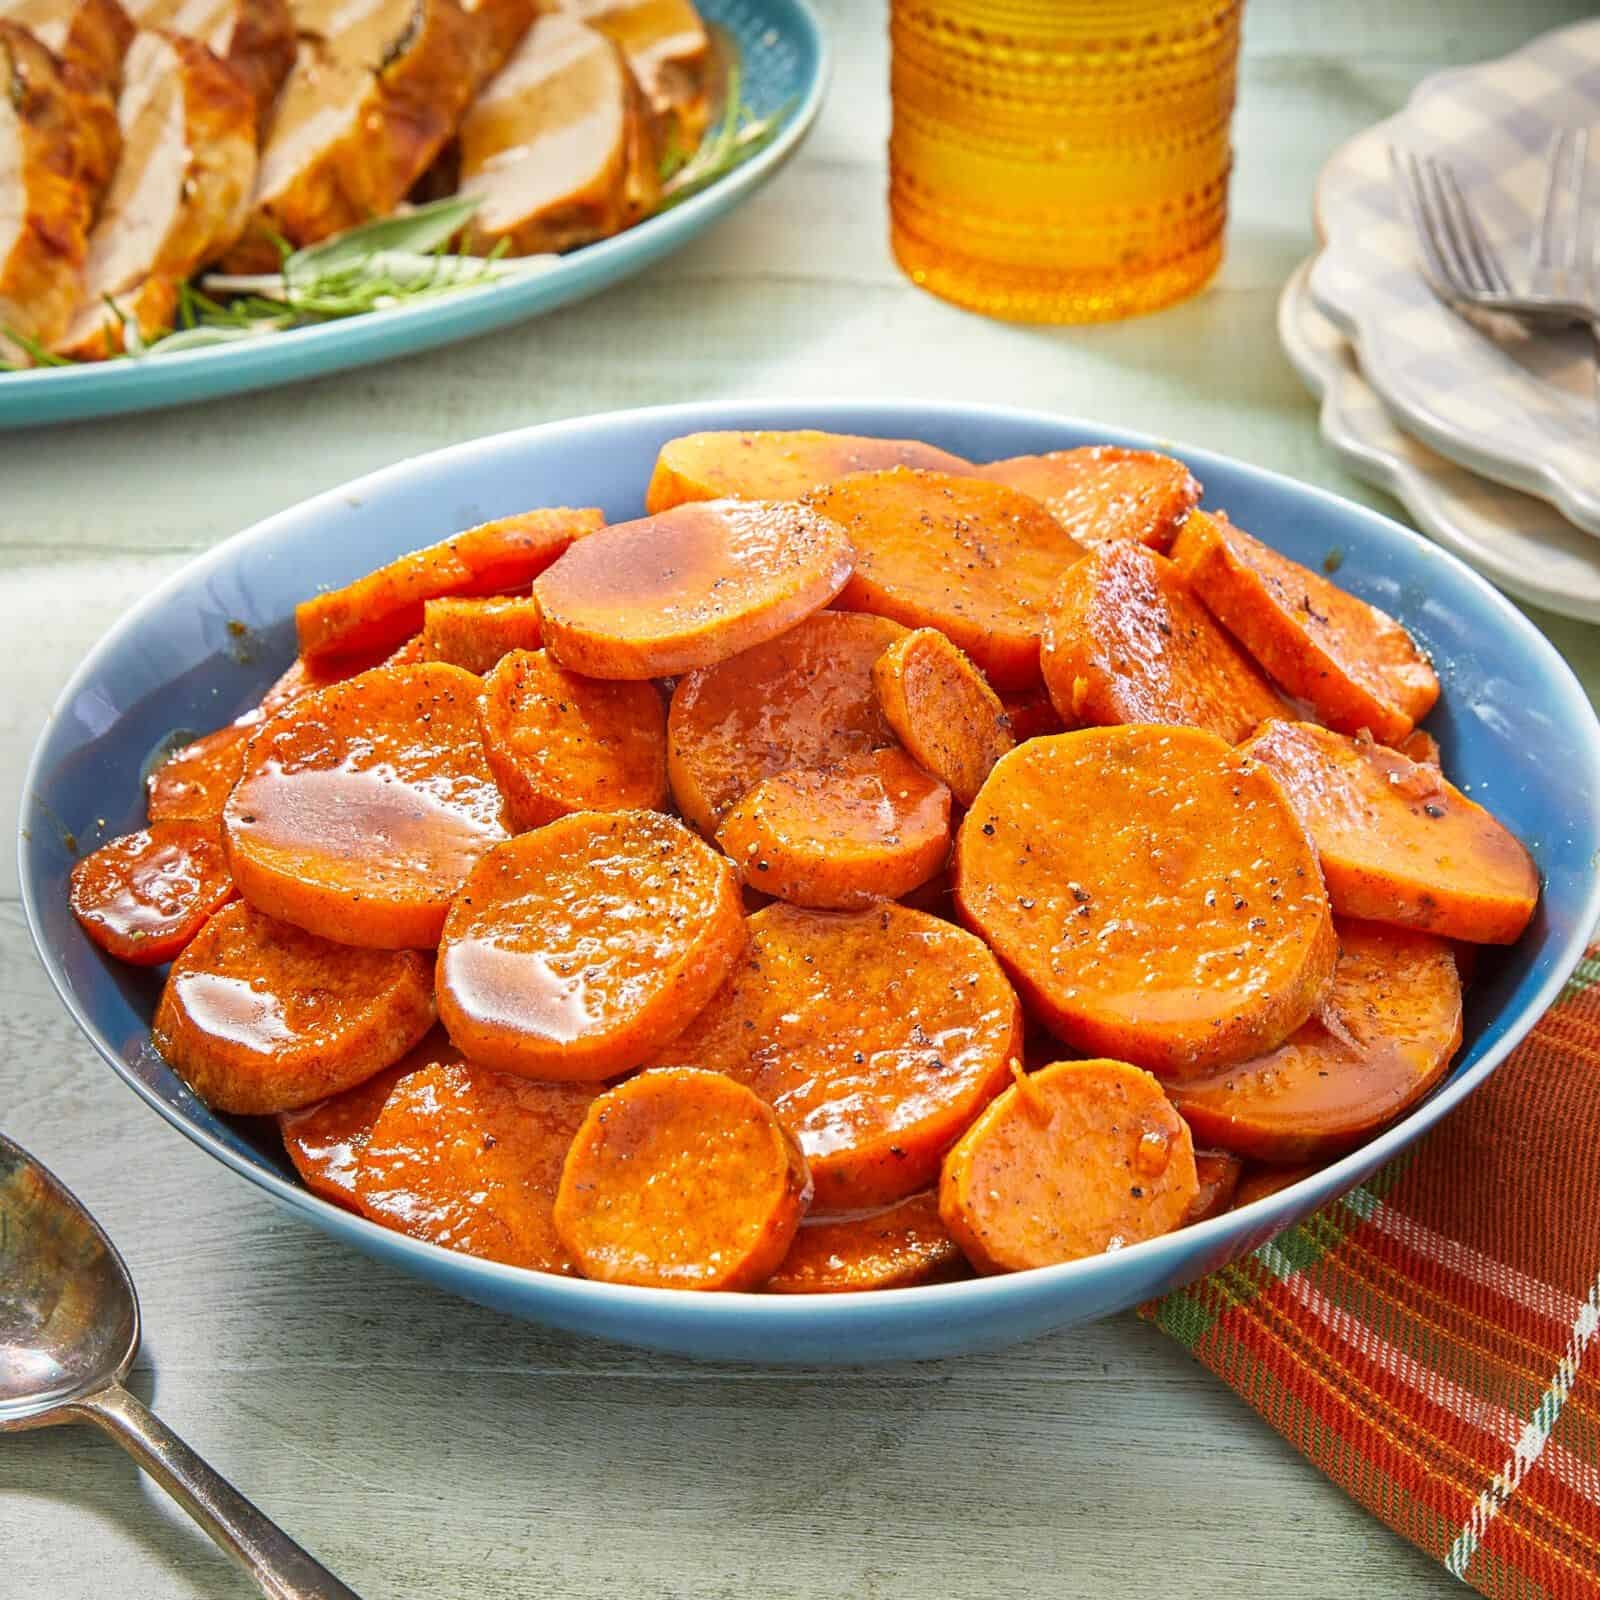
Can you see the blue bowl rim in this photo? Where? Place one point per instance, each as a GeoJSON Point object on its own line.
{"type": "Point", "coordinates": [697, 1311]}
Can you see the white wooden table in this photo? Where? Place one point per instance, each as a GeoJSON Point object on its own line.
{"type": "Point", "coordinates": [426, 1448]}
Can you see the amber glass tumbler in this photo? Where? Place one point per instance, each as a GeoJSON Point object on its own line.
{"type": "Point", "coordinates": [1061, 160]}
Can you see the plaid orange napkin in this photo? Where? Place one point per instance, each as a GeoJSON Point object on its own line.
{"type": "Point", "coordinates": [1429, 1342]}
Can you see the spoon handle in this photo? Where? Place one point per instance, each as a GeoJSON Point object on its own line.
{"type": "Point", "coordinates": [264, 1550]}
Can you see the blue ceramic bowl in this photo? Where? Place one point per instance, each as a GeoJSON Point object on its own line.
{"type": "Point", "coordinates": [1516, 729]}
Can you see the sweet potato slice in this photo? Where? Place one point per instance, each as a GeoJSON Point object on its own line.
{"type": "Point", "coordinates": [1217, 1172]}
{"type": "Point", "coordinates": [690, 587]}
{"type": "Point", "coordinates": [776, 466]}
{"type": "Point", "coordinates": [870, 827]}
{"type": "Point", "coordinates": [361, 808]}
{"type": "Point", "coordinates": [1074, 1159]}
{"type": "Point", "coordinates": [1396, 841]}
{"type": "Point", "coordinates": [895, 1248]}
{"type": "Point", "coordinates": [1151, 892]}
{"type": "Point", "coordinates": [579, 950]}
{"type": "Point", "coordinates": [383, 609]}
{"type": "Point", "coordinates": [976, 560]}
{"type": "Point", "coordinates": [1256, 1183]}
{"type": "Point", "coordinates": [193, 783]}
{"type": "Point", "coordinates": [801, 700]}
{"type": "Point", "coordinates": [557, 742]}
{"type": "Point", "coordinates": [325, 1140]}
{"type": "Point", "coordinates": [943, 710]}
{"type": "Point", "coordinates": [1380, 1041]}
{"type": "Point", "coordinates": [1030, 714]}
{"type": "Point", "coordinates": [681, 1179]}
{"type": "Point", "coordinates": [470, 1159]}
{"type": "Point", "coordinates": [259, 1017]}
{"type": "Point", "coordinates": [877, 1035]}
{"type": "Point", "coordinates": [1101, 493]}
{"type": "Point", "coordinates": [143, 897]}
{"type": "Point", "coordinates": [1126, 640]}
{"type": "Point", "coordinates": [475, 634]}
{"type": "Point", "coordinates": [1352, 663]}
{"type": "Point", "coordinates": [1420, 746]}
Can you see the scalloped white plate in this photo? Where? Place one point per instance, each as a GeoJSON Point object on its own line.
{"type": "Point", "coordinates": [1518, 543]}
{"type": "Point", "coordinates": [1515, 406]}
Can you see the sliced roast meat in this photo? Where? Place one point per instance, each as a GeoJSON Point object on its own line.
{"type": "Point", "coordinates": [669, 50]}
{"type": "Point", "coordinates": [44, 204]}
{"type": "Point", "coordinates": [555, 148]}
{"type": "Point", "coordinates": [255, 37]}
{"type": "Point", "coordinates": [179, 196]}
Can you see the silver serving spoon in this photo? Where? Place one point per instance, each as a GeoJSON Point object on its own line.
{"type": "Point", "coordinates": [69, 1329]}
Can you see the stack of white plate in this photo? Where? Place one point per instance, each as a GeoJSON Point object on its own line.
{"type": "Point", "coordinates": [1488, 432]}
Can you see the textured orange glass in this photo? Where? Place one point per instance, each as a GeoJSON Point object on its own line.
{"type": "Point", "coordinates": [1061, 160]}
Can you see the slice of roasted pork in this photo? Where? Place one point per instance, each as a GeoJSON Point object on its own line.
{"type": "Point", "coordinates": [255, 37]}
{"type": "Point", "coordinates": [89, 39]}
{"type": "Point", "coordinates": [555, 149]}
{"type": "Point", "coordinates": [669, 50]}
{"type": "Point", "coordinates": [44, 204]}
{"type": "Point", "coordinates": [180, 194]}
{"type": "Point", "coordinates": [377, 88]}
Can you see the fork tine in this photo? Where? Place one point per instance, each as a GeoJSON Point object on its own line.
{"type": "Point", "coordinates": [1551, 215]}
{"type": "Point", "coordinates": [1475, 241]}
{"type": "Point", "coordinates": [1404, 165]}
{"type": "Point", "coordinates": [1446, 237]}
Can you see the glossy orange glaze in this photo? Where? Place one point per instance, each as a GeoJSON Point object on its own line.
{"type": "Point", "coordinates": [869, 827]}
{"type": "Point", "coordinates": [578, 950]}
{"type": "Point", "coordinates": [943, 710]}
{"type": "Point", "coordinates": [1256, 1183]}
{"type": "Point", "coordinates": [876, 1035]}
{"type": "Point", "coordinates": [689, 587]}
{"type": "Point", "coordinates": [363, 807]}
{"type": "Point", "coordinates": [1352, 663]}
{"type": "Point", "coordinates": [1126, 640]}
{"type": "Point", "coordinates": [388, 606]}
{"type": "Point", "coordinates": [1217, 1172]}
{"type": "Point", "coordinates": [258, 1017]}
{"type": "Point", "coordinates": [1420, 746]}
{"type": "Point", "coordinates": [558, 743]}
{"type": "Point", "coordinates": [1152, 892]}
{"type": "Point", "coordinates": [1102, 492]}
{"type": "Point", "coordinates": [475, 634]}
{"type": "Point", "coordinates": [776, 465]}
{"type": "Point", "coordinates": [893, 1248]}
{"type": "Point", "coordinates": [976, 560]}
{"type": "Point", "coordinates": [1397, 842]}
{"type": "Point", "coordinates": [1030, 714]}
{"type": "Point", "coordinates": [193, 782]}
{"type": "Point", "coordinates": [1077, 1158]}
{"type": "Point", "coordinates": [681, 1179]}
{"type": "Point", "coordinates": [1380, 1041]}
{"type": "Point", "coordinates": [801, 700]}
{"type": "Point", "coordinates": [470, 1159]}
{"type": "Point", "coordinates": [143, 897]}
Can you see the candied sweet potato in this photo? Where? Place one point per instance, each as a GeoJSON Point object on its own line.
{"type": "Point", "coordinates": [1257, 1183]}
{"type": "Point", "coordinates": [475, 633]}
{"type": "Point", "coordinates": [143, 897]}
{"type": "Point", "coordinates": [362, 807]}
{"type": "Point", "coordinates": [386, 607]}
{"type": "Point", "coordinates": [893, 1248]}
{"type": "Point", "coordinates": [1396, 841]}
{"type": "Point", "coordinates": [1076, 1158]}
{"type": "Point", "coordinates": [1151, 892]}
{"type": "Point", "coordinates": [1030, 714]}
{"type": "Point", "coordinates": [976, 560]}
{"type": "Point", "coordinates": [801, 700]}
{"type": "Point", "coordinates": [557, 742]}
{"type": "Point", "coordinates": [1381, 1039]}
{"type": "Point", "coordinates": [877, 1035]}
{"type": "Point", "coordinates": [1352, 663]}
{"type": "Point", "coordinates": [579, 950]}
{"type": "Point", "coordinates": [193, 783]}
{"type": "Point", "coordinates": [681, 1179]}
{"type": "Point", "coordinates": [690, 587]}
{"type": "Point", "coordinates": [777, 465]}
{"type": "Point", "coordinates": [1126, 640]}
{"type": "Point", "coordinates": [943, 710]}
{"type": "Point", "coordinates": [259, 1017]}
{"type": "Point", "coordinates": [1217, 1172]}
{"type": "Point", "coordinates": [1103, 492]}
{"type": "Point", "coordinates": [870, 827]}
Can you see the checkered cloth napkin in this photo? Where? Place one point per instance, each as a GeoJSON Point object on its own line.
{"type": "Point", "coordinates": [1429, 1341]}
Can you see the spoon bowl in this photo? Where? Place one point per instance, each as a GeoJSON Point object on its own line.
{"type": "Point", "coordinates": [69, 1330]}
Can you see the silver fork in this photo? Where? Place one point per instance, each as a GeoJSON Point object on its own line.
{"type": "Point", "coordinates": [1464, 268]}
